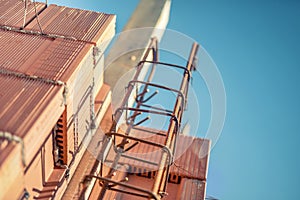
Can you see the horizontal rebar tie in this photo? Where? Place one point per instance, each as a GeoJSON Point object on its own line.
{"type": "Point", "coordinates": [46, 35]}
{"type": "Point", "coordinates": [38, 33]}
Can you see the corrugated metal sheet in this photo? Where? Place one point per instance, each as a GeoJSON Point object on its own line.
{"type": "Point", "coordinates": [191, 189]}
{"type": "Point", "coordinates": [191, 156]}
{"type": "Point", "coordinates": [13, 12]}
{"type": "Point", "coordinates": [80, 24]}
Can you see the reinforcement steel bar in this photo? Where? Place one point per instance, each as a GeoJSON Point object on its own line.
{"type": "Point", "coordinates": [165, 148]}
{"type": "Point", "coordinates": [159, 187]}
{"type": "Point", "coordinates": [153, 46]}
{"type": "Point", "coordinates": [169, 145]}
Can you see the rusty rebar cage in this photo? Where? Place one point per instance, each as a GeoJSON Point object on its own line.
{"type": "Point", "coordinates": [169, 145]}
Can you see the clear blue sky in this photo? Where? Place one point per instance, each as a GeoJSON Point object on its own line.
{"type": "Point", "coordinates": [256, 46]}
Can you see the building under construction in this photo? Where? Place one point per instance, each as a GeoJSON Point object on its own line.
{"type": "Point", "coordinates": [60, 138]}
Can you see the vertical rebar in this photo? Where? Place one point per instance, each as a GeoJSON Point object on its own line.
{"type": "Point", "coordinates": [162, 173]}
{"type": "Point", "coordinates": [153, 46]}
